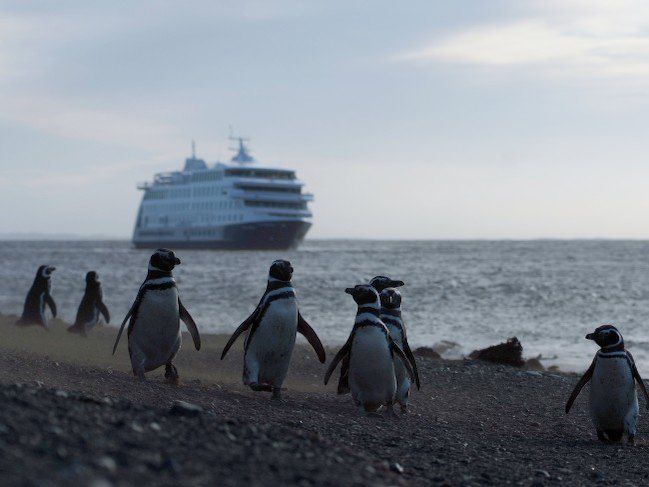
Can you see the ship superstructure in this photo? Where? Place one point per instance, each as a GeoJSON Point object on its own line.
{"type": "Point", "coordinates": [237, 205]}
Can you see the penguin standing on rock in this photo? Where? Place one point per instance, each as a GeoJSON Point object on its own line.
{"type": "Point", "coordinates": [379, 283]}
{"type": "Point", "coordinates": [154, 336]}
{"type": "Point", "coordinates": [272, 329]}
{"type": "Point", "coordinates": [37, 297]}
{"type": "Point", "coordinates": [91, 306]}
{"type": "Point", "coordinates": [613, 400]}
{"type": "Point", "coordinates": [372, 355]}
{"type": "Point", "coordinates": [391, 316]}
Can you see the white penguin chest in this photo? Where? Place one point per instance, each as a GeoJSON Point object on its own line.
{"type": "Point", "coordinates": [278, 325]}
{"type": "Point", "coordinates": [158, 312]}
{"type": "Point", "coordinates": [370, 344]}
{"type": "Point", "coordinates": [612, 387]}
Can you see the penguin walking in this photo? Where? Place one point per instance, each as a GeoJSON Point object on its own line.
{"type": "Point", "coordinates": [613, 401]}
{"type": "Point", "coordinates": [154, 336]}
{"type": "Point", "coordinates": [91, 306]}
{"type": "Point", "coordinates": [372, 354]}
{"type": "Point", "coordinates": [272, 328]}
{"type": "Point", "coordinates": [37, 297]}
{"type": "Point", "coordinates": [379, 283]}
{"type": "Point", "coordinates": [391, 317]}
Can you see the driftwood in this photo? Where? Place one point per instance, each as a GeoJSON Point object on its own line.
{"type": "Point", "coordinates": [508, 353]}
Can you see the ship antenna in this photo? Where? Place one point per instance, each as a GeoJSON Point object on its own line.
{"type": "Point", "coordinates": [193, 150]}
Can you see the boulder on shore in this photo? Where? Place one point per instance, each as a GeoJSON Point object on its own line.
{"type": "Point", "coordinates": [508, 353]}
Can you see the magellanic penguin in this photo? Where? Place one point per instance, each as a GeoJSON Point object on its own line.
{"type": "Point", "coordinates": [379, 283]}
{"type": "Point", "coordinates": [37, 297]}
{"type": "Point", "coordinates": [613, 401]}
{"type": "Point", "coordinates": [91, 306]}
{"type": "Point", "coordinates": [272, 329]}
{"type": "Point", "coordinates": [372, 353]}
{"type": "Point", "coordinates": [154, 336]}
{"type": "Point", "coordinates": [391, 316]}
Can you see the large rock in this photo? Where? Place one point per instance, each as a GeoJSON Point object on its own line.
{"type": "Point", "coordinates": [508, 353]}
{"type": "Point", "coordinates": [427, 352]}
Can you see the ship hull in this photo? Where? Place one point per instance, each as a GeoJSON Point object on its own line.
{"type": "Point", "coordinates": [276, 235]}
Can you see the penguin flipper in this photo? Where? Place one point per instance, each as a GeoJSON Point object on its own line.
{"type": "Point", "coordinates": [103, 310]}
{"type": "Point", "coordinates": [305, 329]}
{"type": "Point", "coordinates": [410, 355]}
{"type": "Point", "coordinates": [343, 380]}
{"type": "Point", "coordinates": [190, 324]}
{"type": "Point", "coordinates": [396, 349]}
{"type": "Point", "coordinates": [636, 376]}
{"type": "Point", "coordinates": [240, 329]}
{"type": "Point", "coordinates": [50, 302]}
{"type": "Point", "coordinates": [411, 358]}
{"type": "Point", "coordinates": [346, 348]}
{"type": "Point", "coordinates": [121, 328]}
{"type": "Point", "coordinates": [582, 382]}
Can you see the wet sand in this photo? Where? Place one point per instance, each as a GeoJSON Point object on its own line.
{"type": "Point", "coordinates": [72, 413]}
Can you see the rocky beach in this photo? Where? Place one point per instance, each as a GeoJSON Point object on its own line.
{"type": "Point", "coordinates": [70, 413]}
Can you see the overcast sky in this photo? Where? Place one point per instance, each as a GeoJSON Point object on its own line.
{"type": "Point", "coordinates": [419, 119]}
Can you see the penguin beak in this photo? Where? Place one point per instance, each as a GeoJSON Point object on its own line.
{"type": "Point", "coordinates": [51, 269]}
{"type": "Point", "coordinates": [396, 283]}
{"type": "Point", "coordinates": [350, 290]}
{"type": "Point", "coordinates": [590, 336]}
{"type": "Point", "coordinates": [177, 262]}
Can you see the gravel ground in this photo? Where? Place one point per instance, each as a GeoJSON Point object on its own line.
{"type": "Point", "coordinates": [471, 424]}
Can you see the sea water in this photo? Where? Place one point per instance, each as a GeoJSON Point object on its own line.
{"type": "Point", "coordinates": [549, 294]}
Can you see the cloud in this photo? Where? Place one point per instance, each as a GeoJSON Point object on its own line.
{"type": "Point", "coordinates": [586, 39]}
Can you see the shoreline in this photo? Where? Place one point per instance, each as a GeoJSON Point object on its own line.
{"type": "Point", "coordinates": [473, 423]}
{"type": "Point", "coordinates": [216, 341]}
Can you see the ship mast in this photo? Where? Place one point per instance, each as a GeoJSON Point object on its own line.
{"type": "Point", "coordinates": [242, 155]}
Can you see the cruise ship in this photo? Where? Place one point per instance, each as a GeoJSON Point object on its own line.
{"type": "Point", "coordinates": [237, 205]}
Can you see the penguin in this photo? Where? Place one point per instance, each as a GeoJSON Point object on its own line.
{"type": "Point", "coordinates": [372, 354]}
{"type": "Point", "coordinates": [91, 306]}
{"type": "Point", "coordinates": [391, 317]}
{"type": "Point", "coordinates": [613, 401]}
{"type": "Point", "coordinates": [272, 328]}
{"type": "Point", "coordinates": [154, 336]}
{"type": "Point", "coordinates": [37, 297]}
{"type": "Point", "coordinates": [379, 283]}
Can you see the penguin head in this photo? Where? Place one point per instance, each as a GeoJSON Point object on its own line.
{"type": "Point", "coordinates": [92, 277]}
{"type": "Point", "coordinates": [163, 260]}
{"type": "Point", "coordinates": [45, 271]}
{"type": "Point", "coordinates": [606, 336]}
{"type": "Point", "coordinates": [390, 298]}
{"type": "Point", "coordinates": [383, 282]}
{"type": "Point", "coordinates": [281, 270]}
{"type": "Point", "coordinates": [364, 294]}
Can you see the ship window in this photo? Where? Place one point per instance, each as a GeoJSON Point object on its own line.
{"type": "Point", "coordinates": [260, 173]}
{"type": "Point", "coordinates": [273, 189]}
{"type": "Point", "coordinates": [277, 204]}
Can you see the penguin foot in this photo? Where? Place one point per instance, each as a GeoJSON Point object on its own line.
{"type": "Point", "coordinates": [258, 386]}
{"type": "Point", "coordinates": [171, 374]}
{"type": "Point", "coordinates": [631, 440]}
{"type": "Point", "coordinates": [404, 408]}
{"type": "Point", "coordinates": [389, 412]}
{"type": "Point", "coordinates": [277, 394]}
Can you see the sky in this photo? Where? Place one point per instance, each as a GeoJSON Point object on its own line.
{"type": "Point", "coordinates": [406, 120]}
